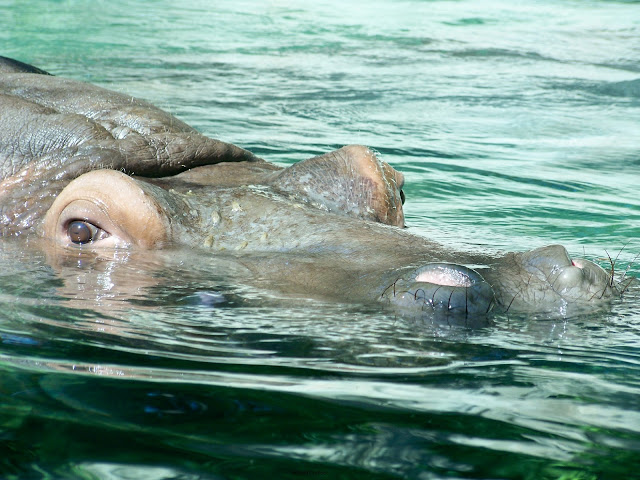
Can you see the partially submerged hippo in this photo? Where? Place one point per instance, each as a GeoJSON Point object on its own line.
{"type": "Point", "coordinates": [91, 169]}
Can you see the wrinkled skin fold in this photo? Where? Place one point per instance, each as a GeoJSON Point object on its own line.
{"type": "Point", "coordinates": [90, 170]}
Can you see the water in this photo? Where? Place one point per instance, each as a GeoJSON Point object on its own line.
{"type": "Point", "coordinates": [516, 124]}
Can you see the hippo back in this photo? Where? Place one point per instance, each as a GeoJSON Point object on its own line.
{"type": "Point", "coordinates": [53, 130]}
{"type": "Point", "coordinates": [9, 65]}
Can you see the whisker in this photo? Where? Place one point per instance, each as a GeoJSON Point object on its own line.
{"type": "Point", "coordinates": [513, 299]}
{"type": "Point", "coordinates": [519, 293]}
{"type": "Point", "coordinates": [433, 298]}
{"type": "Point", "coordinates": [613, 265]}
{"type": "Point", "coordinates": [392, 285]}
{"type": "Point", "coordinates": [466, 302]}
{"type": "Point", "coordinates": [629, 266]}
{"type": "Point", "coordinates": [604, 290]}
{"type": "Point", "coordinates": [490, 305]}
{"type": "Point", "coordinates": [631, 280]}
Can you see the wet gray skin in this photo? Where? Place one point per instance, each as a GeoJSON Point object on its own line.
{"type": "Point", "coordinates": [92, 170]}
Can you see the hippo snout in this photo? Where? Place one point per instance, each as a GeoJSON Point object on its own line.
{"type": "Point", "coordinates": [570, 278]}
{"type": "Point", "coordinates": [548, 280]}
{"type": "Point", "coordinates": [442, 289]}
{"type": "Point", "coordinates": [545, 281]}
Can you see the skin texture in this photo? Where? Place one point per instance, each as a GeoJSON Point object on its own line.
{"type": "Point", "coordinates": [81, 162]}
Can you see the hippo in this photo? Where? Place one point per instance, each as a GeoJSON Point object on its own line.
{"type": "Point", "coordinates": [88, 169]}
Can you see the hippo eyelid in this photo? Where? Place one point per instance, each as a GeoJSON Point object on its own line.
{"type": "Point", "coordinates": [122, 211]}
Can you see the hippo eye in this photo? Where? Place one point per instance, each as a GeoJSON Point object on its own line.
{"type": "Point", "coordinates": [80, 232]}
{"type": "Point", "coordinates": [108, 209]}
{"type": "Point", "coordinates": [402, 197]}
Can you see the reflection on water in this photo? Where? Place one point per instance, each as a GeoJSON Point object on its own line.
{"type": "Point", "coordinates": [515, 125]}
{"type": "Point", "coordinates": [130, 367]}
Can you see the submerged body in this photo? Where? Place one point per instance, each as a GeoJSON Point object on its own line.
{"type": "Point", "coordinates": [90, 169]}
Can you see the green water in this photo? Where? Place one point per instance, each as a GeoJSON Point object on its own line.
{"type": "Point", "coordinates": [516, 125]}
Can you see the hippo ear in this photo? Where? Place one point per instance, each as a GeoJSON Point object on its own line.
{"type": "Point", "coordinates": [351, 181]}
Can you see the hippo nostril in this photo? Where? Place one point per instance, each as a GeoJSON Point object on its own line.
{"type": "Point", "coordinates": [580, 263]}
{"type": "Point", "coordinates": [569, 276]}
{"type": "Point", "coordinates": [556, 280]}
{"type": "Point", "coordinates": [402, 197]}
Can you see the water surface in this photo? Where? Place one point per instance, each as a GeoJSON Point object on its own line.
{"type": "Point", "coordinates": [516, 125]}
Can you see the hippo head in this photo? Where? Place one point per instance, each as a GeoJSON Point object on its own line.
{"type": "Point", "coordinates": [91, 170]}
{"type": "Point", "coordinates": [227, 206]}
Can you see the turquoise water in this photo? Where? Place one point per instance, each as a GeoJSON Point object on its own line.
{"type": "Point", "coordinates": [516, 125]}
